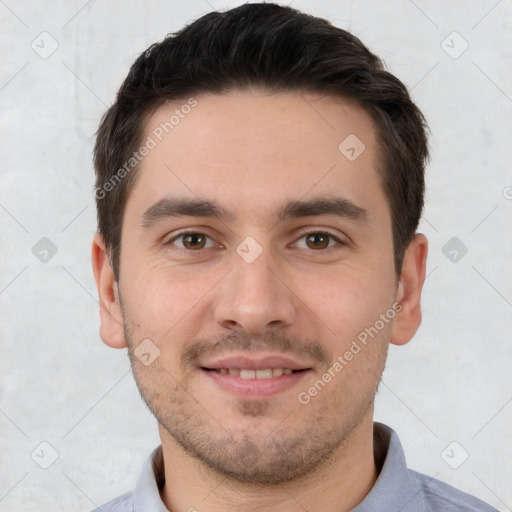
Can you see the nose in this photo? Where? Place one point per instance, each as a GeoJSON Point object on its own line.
{"type": "Point", "coordinates": [255, 297]}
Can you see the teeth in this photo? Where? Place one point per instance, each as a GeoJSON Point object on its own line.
{"type": "Point", "coordinates": [247, 374]}
{"type": "Point", "coordinates": [268, 373]}
{"type": "Point", "coordinates": [264, 374]}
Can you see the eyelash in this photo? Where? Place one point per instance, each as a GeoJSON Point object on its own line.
{"type": "Point", "coordinates": [170, 242]}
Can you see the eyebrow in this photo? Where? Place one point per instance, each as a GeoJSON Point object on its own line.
{"type": "Point", "coordinates": [170, 207]}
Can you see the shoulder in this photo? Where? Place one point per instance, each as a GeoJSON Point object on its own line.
{"type": "Point", "coordinates": [404, 489]}
{"type": "Point", "coordinates": [123, 503]}
{"type": "Point", "coordinates": [434, 495]}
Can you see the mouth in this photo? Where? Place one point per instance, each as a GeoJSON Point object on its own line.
{"type": "Point", "coordinates": [246, 374]}
{"type": "Point", "coordinates": [256, 376]}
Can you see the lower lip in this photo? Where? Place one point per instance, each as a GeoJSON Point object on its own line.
{"type": "Point", "coordinates": [254, 388]}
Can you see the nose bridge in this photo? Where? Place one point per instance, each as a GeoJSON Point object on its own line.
{"type": "Point", "coordinates": [254, 296]}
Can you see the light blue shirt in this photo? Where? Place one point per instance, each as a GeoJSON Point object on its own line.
{"type": "Point", "coordinates": [397, 489]}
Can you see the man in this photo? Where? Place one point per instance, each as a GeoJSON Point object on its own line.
{"type": "Point", "coordinates": [259, 183]}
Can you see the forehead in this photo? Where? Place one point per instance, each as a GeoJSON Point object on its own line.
{"type": "Point", "coordinates": [251, 148]}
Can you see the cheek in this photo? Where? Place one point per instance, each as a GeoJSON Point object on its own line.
{"type": "Point", "coordinates": [346, 302]}
{"type": "Point", "coordinates": [161, 296]}
{"type": "Point", "coordinates": [167, 307]}
{"type": "Point", "coordinates": [356, 337]}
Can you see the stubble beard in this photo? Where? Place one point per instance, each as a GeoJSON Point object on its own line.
{"type": "Point", "coordinates": [264, 455]}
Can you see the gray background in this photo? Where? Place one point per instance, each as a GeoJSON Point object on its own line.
{"type": "Point", "coordinates": [60, 385]}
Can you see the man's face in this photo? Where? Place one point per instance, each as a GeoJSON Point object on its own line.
{"type": "Point", "coordinates": [257, 290]}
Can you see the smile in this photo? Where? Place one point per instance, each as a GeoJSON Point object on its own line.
{"type": "Point", "coordinates": [267, 373]}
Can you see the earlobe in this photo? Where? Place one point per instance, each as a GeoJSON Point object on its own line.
{"type": "Point", "coordinates": [111, 321]}
{"type": "Point", "coordinates": [408, 294]}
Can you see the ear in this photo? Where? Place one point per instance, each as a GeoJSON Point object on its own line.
{"type": "Point", "coordinates": [408, 317]}
{"type": "Point", "coordinates": [111, 320]}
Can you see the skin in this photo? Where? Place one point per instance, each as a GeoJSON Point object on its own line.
{"type": "Point", "coordinates": [251, 152]}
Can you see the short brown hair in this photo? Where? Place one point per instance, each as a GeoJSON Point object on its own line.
{"type": "Point", "coordinates": [280, 49]}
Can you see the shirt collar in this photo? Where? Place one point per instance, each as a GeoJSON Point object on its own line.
{"type": "Point", "coordinates": [147, 493]}
{"type": "Point", "coordinates": [392, 489]}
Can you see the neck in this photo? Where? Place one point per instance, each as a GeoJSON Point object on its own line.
{"type": "Point", "coordinates": [338, 485]}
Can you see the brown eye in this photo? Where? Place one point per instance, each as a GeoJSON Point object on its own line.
{"type": "Point", "coordinates": [194, 241]}
{"type": "Point", "coordinates": [191, 241]}
{"type": "Point", "coordinates": [318, 240]}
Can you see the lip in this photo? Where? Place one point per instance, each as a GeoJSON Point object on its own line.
{"type": "Point", "coordinates": [254, 388]}
{"type": "Point", "coordinates": [254, 362]}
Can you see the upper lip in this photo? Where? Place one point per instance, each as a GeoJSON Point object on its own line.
{"type": "Point", "coordinates": [253, 362]}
